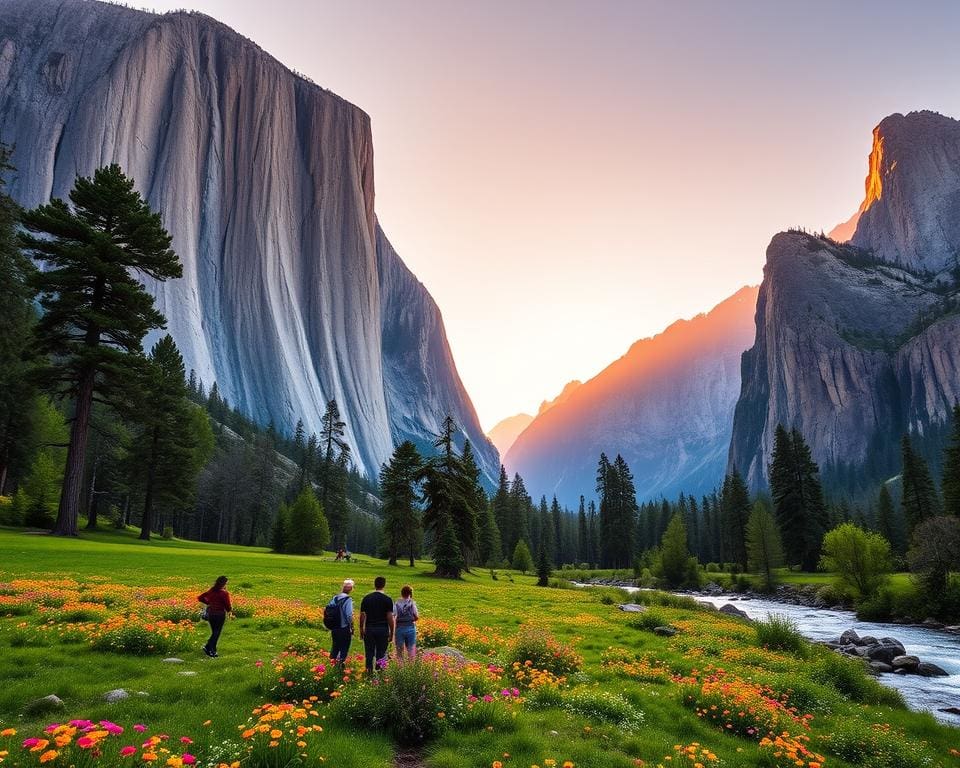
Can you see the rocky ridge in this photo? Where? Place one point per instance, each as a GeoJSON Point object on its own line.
{"type": "Point", "coordinates": [291, 293]}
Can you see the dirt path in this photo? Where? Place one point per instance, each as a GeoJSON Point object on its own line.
{"type": "Point", "coordinates": [408, 757]}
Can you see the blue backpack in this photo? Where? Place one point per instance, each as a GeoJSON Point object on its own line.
{"type": "Point", "coordinates": [333, 613]}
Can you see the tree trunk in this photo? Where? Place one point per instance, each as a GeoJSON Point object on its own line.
{"type": "Point", "coordinates": [92, 498]}
{"type": "Point", "coordinates": [69, 509]}
{"type": "Point", "coordinates": [147, 522]}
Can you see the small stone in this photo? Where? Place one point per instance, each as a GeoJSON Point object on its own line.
{"type": "Point", "coordinates": [143, 693]}
{"type": "Point", "coordinates": [554, 733]}
{"type": "Point", "coordinates": [117, 694]}
{"type": "Point", "coordinates": [950, 710]}
{"type": "Point", "coordinates": [664, 631]}
{"type": "Point", "coordinates": [187, 673]}
{"type": "Point", "coordinates": [173, 660]}
{"type": "Point", "coordinates": [50, 703]}
{"type": "Point", "coordinates": [632, 608]}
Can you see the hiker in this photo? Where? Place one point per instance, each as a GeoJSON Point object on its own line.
{"type": "Point", "coordinates": [217, 600]}
{"type": "Point", "coordinates": [406, 613]}
{"type": "Point", "coordinates": [342, 632]}
{"type": "Point", "coordinates": [376, 624]}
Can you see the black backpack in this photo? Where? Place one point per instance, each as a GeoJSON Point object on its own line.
{"type": "Point", "coordinates": [333, 614]}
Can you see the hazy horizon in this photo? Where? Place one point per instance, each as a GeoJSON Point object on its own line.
{"type": "Point", "coordinates": [567, 178]}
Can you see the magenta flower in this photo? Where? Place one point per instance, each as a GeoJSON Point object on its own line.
{"type": "Point", "coordinates": [31, 742]}
{"type": "Point", "coordinates": [127, 751]}
{"type": "Point", "coordinates": [186, 740]}
{"type": "Point", "coordinates": [188, 759]}
{"type": "Point", "coordinates": [139, 728]}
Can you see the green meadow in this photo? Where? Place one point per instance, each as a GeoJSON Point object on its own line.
{"type": "Point", "coordinates": [610, 691]}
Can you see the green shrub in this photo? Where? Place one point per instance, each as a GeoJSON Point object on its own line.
{"type": "Point", "coordinates": [647, 621]}
{"type": "Point", "coordinates": [605, 707]}
{"type": "Point", "coordinates": [167, 534]}
{"type": "Point", "coordinates": [713, 568]}
{"type": "Point", "coordinates": [805, 695]}
{"type": "Point", "coordinates": [850, 677]}
{"type": "Point", "coordinates": [877, 746]}
{"type": "Point", "coordinates": [138, 639]}
{"type": "Point", "coordinates": [779, 633]}
{"type": "Point", "coordinates": [414, 702]}
{"type": "Point", "coordinates": [543, 652]}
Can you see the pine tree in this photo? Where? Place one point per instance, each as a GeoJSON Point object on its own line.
{"type": "Point", "coordinates": [501, 508]}
{"type": "Point", "coordinates": [165, 454]}
{"type": "Point", "coordinates": [583, 534]}
{"type": "Point", "coordinates": [334, 453]}
{"type": "Point", "coordinates": [889, 523]}
{"type": "Point", "coordinates": [764, 546]}
{"type": "Point", "coordinates": [17, 389]}
{"type": "Point", "coordinates": [951, 468]}
{"type": "Point", "coordinates": [519, 506]}
{"type": "Point", "coordinates": [476, 501]}
{"type": "Point", "coordinates": [281, 526]}
{"type": "Point", "coordinates": [594, 529]}
{"type": "Point", "coordinates": [735, 512]}
{"type": "Point", "coordinates": [919, 499]}
{"type": "Point", "coordinates": [95, 309]}
{"type": "Point", "coordinates": [543, 566]}
{"type": "Point", "coordinates": [308, 532]}
{"type": "Point", "coordinates": [447, 554]}
{"type": "Point", "coordinates": [401, 520]}
{"type": "Point", "coordinates": [491, 553]}
{"type": "Point", "coordinates": [522, 560]}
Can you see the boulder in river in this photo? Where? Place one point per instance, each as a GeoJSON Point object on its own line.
{"type": "Point", "coordinates": [928, 669]}
{"type": "Point", "coordinates": [880, 667]}
{"type": "Point", "coordinates": [850, 637]}
{"type": "Point", "coordinates": [909, 663]}
{"type": "Point", "coordinates": [732, 610]}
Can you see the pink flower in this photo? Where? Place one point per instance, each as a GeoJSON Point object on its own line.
{"type": "Point", "coordinates": [112, 728]}
{"type": "Point", "coordinates": [258, 663]}
{"type": "Point", "coordinates": [32, 742]}
{"type": "Point", "coordinates": [127, 751]}
{"type": "Point", "coordinates": [487, 697]}
{"type": "Point", "coordinates": [186, 740]}
{"type": "Point", "coordinates": [188, 759]}
{"type": "Point", "coordinates": [85, 742]}
{"type": "Point", "coordinates": [139, 728]}
{"type": "Point", "coordinates": [81, 723]}
{"type": "Point", "coordinates": [51, 728]}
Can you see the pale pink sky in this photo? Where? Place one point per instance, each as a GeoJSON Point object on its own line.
{"type": "Point", "coordinates": [566, 178]}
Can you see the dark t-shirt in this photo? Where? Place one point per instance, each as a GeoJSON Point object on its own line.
{"type": "Point", "coordinates": [376, 605]}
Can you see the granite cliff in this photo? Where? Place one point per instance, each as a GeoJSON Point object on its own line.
{"type": "Point", "coordinates": [291, 294]}
{"type": "Point", "coordinates": [666, 406]}
{"type": "Point", "coordinates": [858, 342]}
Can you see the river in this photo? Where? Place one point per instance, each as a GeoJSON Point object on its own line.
{"type": "Point", "coordinates": [929, 694]}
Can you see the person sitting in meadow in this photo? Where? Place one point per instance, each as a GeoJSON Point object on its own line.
{"type": "Point", "coordinates": [217, 600]}
{"type": "Point", "coordinates": [406, 613]}
{"type": "Point", "coordinates": [377, 624]}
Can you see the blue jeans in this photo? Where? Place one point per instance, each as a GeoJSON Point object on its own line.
{"type": "Point", "coordinates": [406, 637]}
{"type": "Point", "coordinates": [341, 643]}
{"type": "Point", "coordinates": [216, 627]}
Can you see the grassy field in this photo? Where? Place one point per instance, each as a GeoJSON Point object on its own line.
{"type": "Point", "coordinates": [707, 695]}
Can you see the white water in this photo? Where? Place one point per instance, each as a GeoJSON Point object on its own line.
{"type": "Point", "coordinates": [927, 694]}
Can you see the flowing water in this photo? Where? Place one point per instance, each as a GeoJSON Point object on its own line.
{"type": "Point", "coordinates": [930, 694]}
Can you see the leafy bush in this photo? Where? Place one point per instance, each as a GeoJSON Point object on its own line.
{"type": "Point", "coordinates": [602, 706]}
{"type": "Point", "coordinates": [876, 745]}
{"type": "Point", "coordinates": [167, 534]}
{"type": "Point", "coordinates": [861, 559]}
{"type": "Point", "coordinates": [144, 638]}
{"type": "Point", "coordinates": [850, 677]}
{"type": "Point", "coordinates": [414, 702]}
{"type": "Point", "coordinates": [543, 652]}
{"type": "Point", "coordinates": [779, 633]}
{"type": "Point", "coordinates": [298, 677]}
{"type": "Point", "coordinates": [647, 621]}
{"type": "Point", "coordinates": [433, 633]}
{"type": "Point", "coordinates": [712, 568]}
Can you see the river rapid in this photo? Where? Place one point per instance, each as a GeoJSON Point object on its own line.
{"type": "Point", "coordinates": [927, 694]}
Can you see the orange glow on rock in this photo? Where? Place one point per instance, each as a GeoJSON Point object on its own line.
{"type": "Point", "coordinates": [874, 183]}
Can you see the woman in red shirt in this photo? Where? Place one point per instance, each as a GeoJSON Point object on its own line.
{"type": "Point", "coordinates": [217, 600]}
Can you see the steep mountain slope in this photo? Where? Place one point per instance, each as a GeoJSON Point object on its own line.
{"type": "Point", "coordinates": [858, 342]}
{"type": "Point", "coordinates": [506, 431]}
{"type": "Point", "coordinates": [291, 295]}
{"type": "Point", "coordinates": [666, 406]}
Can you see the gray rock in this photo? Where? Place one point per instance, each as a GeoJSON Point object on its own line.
{"type": "Point", "coordinates": [51, 703]}
{"type": "Point", "coordinates": [884, 652]}
{"type": "Point", "coordinates": [665, 631]}
{"type": "Point", "coordinates": [868, 640]}
{"type": "Point", "coordinates": [901, 671]}
{"type": "Point", "coordinates": [909, 663]}
{"type": "Point", "coordinates": [173, 660]}
{"type": "Point", "coordinates": [950, 710]}
{"type": "Point", "coordinates": [732, 610]}
{"type": "Point", "coordinates": [850, 637]}
{"type": "Point", "coordinates": [928, 669]}
{"type": "Point", "coordinates": [932, 623]}
{"type": "Point", "coordinates": [632, 608]}
{"type": "Point", "coordinates": [117, 694]}
{"type": "Point", "coordinates": [285, 311]}
{"type": "Point", "coordinates": [880, 667]}
{"type": "Point", "coordinates": [187, 673]}
{"type": "Point", "coordinates": [892, 641]}
{"type": "Point", "coordinates": [713, 589]}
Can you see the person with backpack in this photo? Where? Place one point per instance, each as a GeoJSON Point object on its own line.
{"type": "Point", "coordinates": [338, 618]}
{"type": "Point", "coordinates": [406, 613]}
{"type": "Point", "coordinates": [376, 624]}
{"type": "Point", "coordinates": [217, 602]}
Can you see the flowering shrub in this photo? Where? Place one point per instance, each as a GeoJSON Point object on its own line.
{"type": "Point", "coordinates": [414, 701]}
{"type": "Point", "coordinates": [433, 633]}
{"type": "Point", "coordinates": [83, 743]}
{"type": "Point", "coordinates": [622, 662]}
{"type": "Point", "coordinates": [739, 706]}
{"type": "Point", "coordinates": [786, 751]}
{"type": "Point", "coordinates": [693, 755]}
{"type": "Point", "coordinates": [529, 677]}
{"type": "Point", "coordinates": [140, 637]}
{"type": "Point", "coordinates": [299, 676]}
{"type": "Point", "coordinates": [544, 653]}
{"type": "Point", "coordinates": [880, 746]}
{"type": "Point", "coordinates": [280, 735]}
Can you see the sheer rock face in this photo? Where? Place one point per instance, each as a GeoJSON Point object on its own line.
{"type": "Point", "coordinates": [290, 295]}
{"type": "Point", "coordinates": [855, 345]}
{"type": "Point", "coordinates": [666, 407]}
